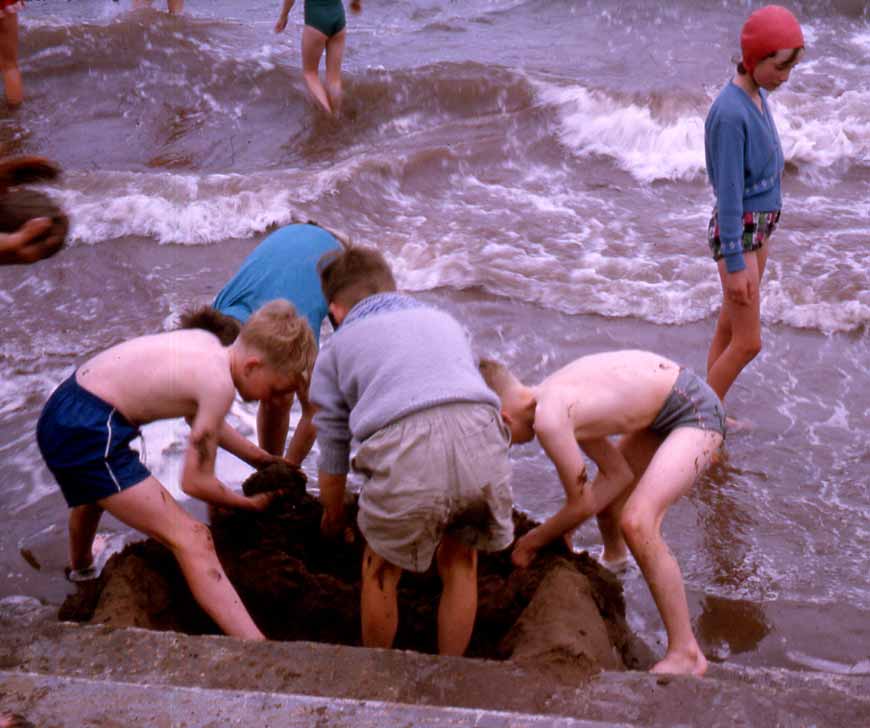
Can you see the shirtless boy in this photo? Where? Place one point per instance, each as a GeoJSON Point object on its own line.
{"type": "Point", "coordinates": [283, 265]}
{"type": "Point", "coordinates": [85, 430]}
{"type": "Point", "coordinates": [672, 424]}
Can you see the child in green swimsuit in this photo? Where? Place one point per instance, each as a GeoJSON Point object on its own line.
{"type": "Point", "coordinates": [324, 31]}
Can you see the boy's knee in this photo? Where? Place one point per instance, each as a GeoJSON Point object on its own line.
{"type": "Point", "coordinates": [634, 524]}
{"type": "Point", "coordinates": [194, 540]}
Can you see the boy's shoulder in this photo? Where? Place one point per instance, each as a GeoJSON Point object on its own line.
{"type": "Point", "coordinates": [388, 303]}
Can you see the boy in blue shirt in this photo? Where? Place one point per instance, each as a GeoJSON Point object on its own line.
{"type": "Point", "coordinates": [284, 266]}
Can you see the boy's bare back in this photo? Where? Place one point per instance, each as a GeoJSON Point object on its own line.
{"type": "Point", "coordinates": [607, 394]}
{"type": "Point", "coordinates": [161, 376]}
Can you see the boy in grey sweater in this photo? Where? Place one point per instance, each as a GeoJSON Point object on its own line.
{"type": "Point", "coordinates": [398, 379]}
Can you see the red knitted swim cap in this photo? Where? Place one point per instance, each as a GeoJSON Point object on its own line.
{"type": "Point", "coordinates": [768, 30]}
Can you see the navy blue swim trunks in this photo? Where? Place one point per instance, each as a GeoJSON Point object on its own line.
{"type": "Point", "coordinates": [86, 444]}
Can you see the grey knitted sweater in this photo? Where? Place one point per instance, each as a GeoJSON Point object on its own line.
{"type": "Point", "coordinates": [392, 356]}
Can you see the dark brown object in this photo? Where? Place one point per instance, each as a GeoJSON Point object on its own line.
{"type": "Point", "coordinates": [19, 206]}
{"type": "Point", "coordinates": [564, 615]}
{"type": "Point", "coordinates": [24, 170]}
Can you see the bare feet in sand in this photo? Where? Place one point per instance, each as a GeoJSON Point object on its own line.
{"type": "Point", "coordinates": [692, 663]}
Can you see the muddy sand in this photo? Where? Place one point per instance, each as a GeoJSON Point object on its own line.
{"type": "Point", "coordinates": [565, 615]}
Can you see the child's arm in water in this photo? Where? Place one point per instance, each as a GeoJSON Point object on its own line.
{"type": "Point", "coordinates": [282, 17]}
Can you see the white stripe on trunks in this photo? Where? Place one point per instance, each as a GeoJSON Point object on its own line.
{"type": "Point", "coordinates": [106, 453]}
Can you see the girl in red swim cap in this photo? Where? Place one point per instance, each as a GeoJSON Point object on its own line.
{"type": "Point", "coordinates": [744, 165]}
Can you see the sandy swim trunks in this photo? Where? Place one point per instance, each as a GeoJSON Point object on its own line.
{"type": "Point", "coordinates": [440, 470]}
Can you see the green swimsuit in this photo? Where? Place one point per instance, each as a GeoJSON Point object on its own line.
{"type": "Point", "coordinates": [327, 16]}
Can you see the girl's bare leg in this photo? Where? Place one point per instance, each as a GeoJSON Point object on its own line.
{"type": "Point", "coordinates": [334, 56]}
{"type": "Point", "coordinates": [737, 339]}
{"type": "Point", "coordinates": [684, 454]}
{"type": "Point", "coordinates": [313, 45]}
{"type": "Point", "coordinates": [148, 507]}
{"type": "Point", "coordinates": [9, 59]}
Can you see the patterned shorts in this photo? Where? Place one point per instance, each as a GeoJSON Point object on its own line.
{"type": "Point", "coordinates": [757, 229]}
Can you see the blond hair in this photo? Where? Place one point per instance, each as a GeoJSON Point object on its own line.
{"type": "Point", "coordinates": [497, 376]}
{"type": "Point", "coordinates": [283, 337]}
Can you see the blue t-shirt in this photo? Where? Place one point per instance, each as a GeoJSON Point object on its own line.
{"type": "Point", "coordinates": [284, 265]}
{"type": "Point", "coordinates": [744, 164]}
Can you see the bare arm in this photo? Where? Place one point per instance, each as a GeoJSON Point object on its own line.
{"type": "Point", "coordinates": [19, 247]}
{"type": "Point", "coordinates": [555, 431]}
{"type": "Point", "coordinates": [332, 487]}
{"type": "Point", "coordinates": [556, 435]}
{"type": "Point", "coordinates": [305, 434]}
{"type": "Point", "coordinates": [233, 442]}
{"type": "Point", "coordinates": [198, 478]}
{"type": "Point", "coordinates": [614, 475]}
{"type": "Point", "coordinates": [282, 17]}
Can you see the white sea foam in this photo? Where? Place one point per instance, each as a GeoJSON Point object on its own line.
{"type": "Point", "coordinates": [593, 122]}
{"type": "Point", "coordinates": [191, 209]}
{"type": "Point", "coordinates": [834, 128]}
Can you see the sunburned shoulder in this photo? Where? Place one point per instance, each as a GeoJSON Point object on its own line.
{"type": "Point", "coordinates": [171, 353]}
{"type": "Point", "coordinates": [608, 364]}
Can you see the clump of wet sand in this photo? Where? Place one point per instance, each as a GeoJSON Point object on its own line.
{"type": "Point", "coordinates": [564, 615]}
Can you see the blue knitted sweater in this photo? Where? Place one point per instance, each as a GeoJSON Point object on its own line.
{"type": "Point", "coordinates": [744, 164]}
{"type": "Point", "coordinates": [391, 356]}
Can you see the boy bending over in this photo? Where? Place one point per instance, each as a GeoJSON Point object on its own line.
{"type": "Point", "coordinates": [398, 378]}
{"type": "Point", "coordinates": [673, 423]}
{"type": "Point", "coordinates": [86, 427]}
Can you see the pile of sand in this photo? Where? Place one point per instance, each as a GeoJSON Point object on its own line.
{"type": "Point", "coordinates": [564, 614]}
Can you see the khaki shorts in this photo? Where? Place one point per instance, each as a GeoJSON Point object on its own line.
{"type": "Point", "coordinates": [443, 470]}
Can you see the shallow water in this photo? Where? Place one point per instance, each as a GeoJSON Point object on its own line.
{"type": "Point", "coordinates": [535, 167]}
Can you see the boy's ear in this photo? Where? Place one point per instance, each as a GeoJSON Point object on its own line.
{"type": "Point", "coordinates": [251, 363]}
{"type": "Point", "coordinates": [506, 418]}
{"type": "Point", "coordinates": [338, 311]}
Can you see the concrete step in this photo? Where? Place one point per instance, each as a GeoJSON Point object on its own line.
{"type": "Point", "coordinates": [212, 681]}
{"type": "Point", "coordinates": [68, 702]}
